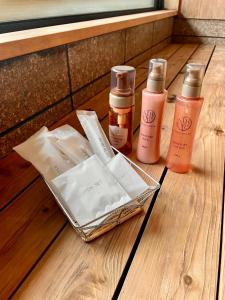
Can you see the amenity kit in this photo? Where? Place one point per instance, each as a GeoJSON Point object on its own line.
{"type": "Point", "coordinates": [96, 186]}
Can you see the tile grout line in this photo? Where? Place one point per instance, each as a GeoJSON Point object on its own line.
{"type": "Point", "coordinates": [20, 192]}
{"type": "Point", "coordinates": [30, 118]}
{"type": "Point", "coordinates": [62, 228]}
{"type": "Point", "coordinates": [69, 75]}
{"type": "Point", "coordinates": [197, 36]}
{"type": "Point", "coordinates": [71, 94]}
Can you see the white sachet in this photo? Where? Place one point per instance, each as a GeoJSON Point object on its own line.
{"type": "Point", "coordinates": [89, 191]}
{"type": "Point", "coordinates": [43, 155]}
{"type": "Point", "coordinates": [95, 134]}
{"type": "Point", "coordinates": [129, 179]}
{"type": "Point", "coordinates": [69, 141]}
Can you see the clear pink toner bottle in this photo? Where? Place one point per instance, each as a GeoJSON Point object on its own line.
{"type": "Point", "coordinates": [153, 99]}
{"type": "Point", "coordinates": [187, 110]}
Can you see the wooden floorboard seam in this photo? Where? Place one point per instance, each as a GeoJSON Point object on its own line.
{"type": "Point", "coordinates": [138, 239]}
{"type": "Point", "coordinates": [150, 208]}
{"type": "Point", "coordinates": [221, 239]}
{"type": "Point", "coordinates": [145, 219]}
{"type": "Point", "coordinates": [38, 260]}
{"type": "Point", "coordinates": [100, 119]}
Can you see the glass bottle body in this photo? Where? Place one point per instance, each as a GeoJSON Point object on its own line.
{"type": "Point", "coordinates": [186, 116]}
{"type": "Point", "coordinates": [121, 128]}
{"type": "Point", "coordinates": [148, 150]}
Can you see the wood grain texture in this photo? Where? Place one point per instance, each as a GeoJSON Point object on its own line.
{"type": "Point", "coordinates": [203, 9]}
{"type": "Point", "coordinates": [27, 227]}
{"type": "Point", "coordinates": [69, 264]}
{"type": "Point", "coordinates": [179, 251]}
{"type": "Point", "coordinates": [26, 41]}
{"type": "Point", "coordinates": [30, 224]}
{"type": "Point", "coordinates": [9, 282]}
{"type": "Point", "coordinates": [18, 173]}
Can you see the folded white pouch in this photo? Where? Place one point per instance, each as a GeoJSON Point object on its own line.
{"type": "Point", "coordinates": [129, 179]}
{"type": "Point", "coordinates": [71, 143]}
{"type": "Point", "coordinates": [43, 155]}
{"type": "Point", "coordinates": [89, 190]}
{"type": "Point", "coordinates": [95, 134]}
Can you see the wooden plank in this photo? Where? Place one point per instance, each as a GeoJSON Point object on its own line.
{"type": "Point", "coordinates": [177, 257]}
{"type": "Point", "coordinates": [27, 41]}
{"type": "Point", "coordinates": [18, 173]}
{"type": "Point", "coordinates": [35, 214]}
{"type": "Point", "coordinates": [69, 260]}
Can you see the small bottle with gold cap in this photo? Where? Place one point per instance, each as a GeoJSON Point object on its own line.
{"type": "Point", "coordinates": [121, 114]}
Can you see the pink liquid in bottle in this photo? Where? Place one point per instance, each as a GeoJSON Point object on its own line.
{"type": "Point", "coordinates": [187, 111]}
{"type": "Point", "coordinates": [153, 99]}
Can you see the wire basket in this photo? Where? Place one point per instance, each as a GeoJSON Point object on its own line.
{"type": "Point", "coordinates": [91, 230]}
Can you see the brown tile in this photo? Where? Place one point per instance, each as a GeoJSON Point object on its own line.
{"type": "Point", "coordinates": [30, 83]}
{"type": "Point", "coordinates": [92, 58]}
{"type": "Point", "coordinates": [47, 118]}
{"type": "Point", "coordinates": [143, 57]}
{"type": "Point", "coordinates": [162, 29]}
{"type": "Point", "coordinates": [138, 39]}
{"type": "Point", "coordinates": [206, 28]}
{"type": "Point", "coordinates": [198, 39]}
{"type": "Point", "coordinates": [91, 90]}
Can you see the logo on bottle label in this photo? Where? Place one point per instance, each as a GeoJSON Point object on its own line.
{"type": "Point", "coordinates": [184, 123]}
{"type": "Point", "coordinates": [149, 116]}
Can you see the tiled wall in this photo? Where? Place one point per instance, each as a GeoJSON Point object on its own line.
{"type": "Point", "coordinates": [199, 30]}
{"type": "Point", "coordinates": [40, 88]}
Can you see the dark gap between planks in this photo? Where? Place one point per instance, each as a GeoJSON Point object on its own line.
{"type": "Point", "coordinates": [141, 231]}
{"type": "Point", "coordinates": [221, 240]}
{"type": "Point", "coordinates": [149, 211]}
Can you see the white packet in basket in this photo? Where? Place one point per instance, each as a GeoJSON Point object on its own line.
{"type": "Point", "coordinates": [69, 141]}
{"type": "Point", "coordinates": [89, 191]}
{"type": "Point", "coordinates": [43, 155]}
{"type": "Point", "coordinates": [95, 134]}
{"type": "Point", "coordinates": [129, 179]}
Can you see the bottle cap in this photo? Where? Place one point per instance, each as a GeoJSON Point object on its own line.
{"type": "Point", "coordinates": [193, 80]}
{"type": "Point", "coordinates": [122, 86]}
{"type": "Point", "coordinates": [156, 75]}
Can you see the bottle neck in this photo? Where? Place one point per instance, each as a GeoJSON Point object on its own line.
{"type": "Point", "coordinates": [191, 91]}
{"type": "Point", "coordinates": [155, 86]}
{"type": "Point", "coordinates": [120, 101]}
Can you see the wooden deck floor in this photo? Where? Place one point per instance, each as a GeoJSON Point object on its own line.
{"type": "Point", "coordinates": [175, 251]}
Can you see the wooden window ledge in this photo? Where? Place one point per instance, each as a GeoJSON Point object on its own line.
{"type": "Point", "coordinates": [27, 41]}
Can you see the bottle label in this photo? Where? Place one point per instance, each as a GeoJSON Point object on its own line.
{"type": "Point", "coordinates": [184, 123]}
{"type": "Point", "coordinates": [118, 136]}
{"type": "Point", "coordinates": [148, 116]}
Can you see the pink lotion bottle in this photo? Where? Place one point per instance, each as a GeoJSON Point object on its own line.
{"type": "Point", "coordinates": [153, 99]}
{"type": "Point", "coordinates": [187, 110]}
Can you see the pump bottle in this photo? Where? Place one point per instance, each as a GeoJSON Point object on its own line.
{"type": "Point", "coordinates": [153, 99]}
{"type": "Point", "coordinates": [187, 110]}
{"type": "Point", "coordinates": [121, 113]}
